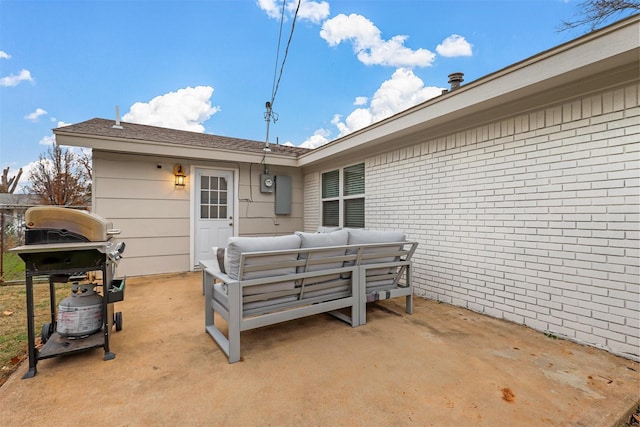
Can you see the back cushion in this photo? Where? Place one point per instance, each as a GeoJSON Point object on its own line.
{"type": "Point", "coordinates": [358, 236]}
{"type": "Point", "coordinates": [237, 245]}
{"type": "Point", "coordinates": [318, 240]}
{"type": "Point", "coordinates": [324, 229]}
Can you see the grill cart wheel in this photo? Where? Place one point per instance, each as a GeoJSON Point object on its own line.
{"type": "Point", "coordinates": [118, 321]}
{"type": "Point", "coordinates": [47, 330]}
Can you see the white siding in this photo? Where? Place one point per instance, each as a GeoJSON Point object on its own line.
{"type": "Point", "coordinates": [143, 202]}
{"type": "Point", "coordinates": [312, 202]}
{"type": "Point", "coordinates": [532, 218]}
{"type": "Point", "coordinates": [257, 209]}
{"type": "Point", "coordinates": [154, 216]}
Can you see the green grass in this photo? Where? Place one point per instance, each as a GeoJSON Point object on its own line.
{"type": "Point", "coordinates": [13, 320]}
{"type": "Point", "coordinates": [13, 267]}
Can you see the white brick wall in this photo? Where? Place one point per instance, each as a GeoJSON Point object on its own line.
{"type": "Point", "coordinates": [533, 218]}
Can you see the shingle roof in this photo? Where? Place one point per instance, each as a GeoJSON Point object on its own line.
{"type": "Point", "coordinates": [10, 199]}
{"type": "Point", "coordinates": [104, 128]}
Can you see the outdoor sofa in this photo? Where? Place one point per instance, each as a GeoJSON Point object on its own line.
{"type": "Point", "coordinates": [260, 281]}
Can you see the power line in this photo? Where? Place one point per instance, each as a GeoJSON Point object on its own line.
{"type": "Point", "coordinates": [275, 65]}
{"type": "Point", "coordinates": [286, 52]}
{"type": "Point", "coordinates": [270, 114]}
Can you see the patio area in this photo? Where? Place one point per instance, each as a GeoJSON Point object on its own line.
{"type": "Point", "coordinates": [441, 366]}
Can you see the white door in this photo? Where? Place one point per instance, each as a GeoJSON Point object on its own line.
{"type": "Point", "coordinates": [213, 211]}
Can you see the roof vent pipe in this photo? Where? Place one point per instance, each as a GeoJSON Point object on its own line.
{"type": "Point", "coordinates": [117, 125]}
{"type": "Point", "coordinates": [455, 79]}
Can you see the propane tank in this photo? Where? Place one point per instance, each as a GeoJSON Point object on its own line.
{"type": "Point", "coordinates": [80, 314]}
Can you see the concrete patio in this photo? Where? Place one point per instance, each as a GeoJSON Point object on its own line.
{"type": "Point", "coordinates": [441, 366]}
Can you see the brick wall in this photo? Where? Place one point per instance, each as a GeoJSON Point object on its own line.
{"type": "Point", "coordinates": [534, 218]}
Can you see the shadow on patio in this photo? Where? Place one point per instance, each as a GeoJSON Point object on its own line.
{"type": "Point", "coordinates": [441, 366]}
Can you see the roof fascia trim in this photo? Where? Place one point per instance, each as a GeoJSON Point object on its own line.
{"type": "Point", "coordinates": [129, 146]}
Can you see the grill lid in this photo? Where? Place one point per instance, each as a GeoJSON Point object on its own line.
{"type": "Point", "coordinates": [90, 226]}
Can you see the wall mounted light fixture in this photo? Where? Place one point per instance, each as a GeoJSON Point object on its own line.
{"type": "Point", "coordinates": [181, 178]}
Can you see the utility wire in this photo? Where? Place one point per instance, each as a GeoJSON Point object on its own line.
{"type": "Point", "coordinates": [270, 114]}
{"type": "Point", "coordinates": [275, 65]}
{"type": "Point", "coordinates": [286, 51]}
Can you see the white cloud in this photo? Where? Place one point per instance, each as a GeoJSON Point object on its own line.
{"type": "Point", "coordinates": [4, 55]}
{"type": "Point", "coordinates": [270, 7]}
{"type": "Point", "coordinates": [454, 45]}
{"type": "Point", "coordinates": [35, 115]}
{"type": "Point", "coordinates": [361, 100]}
{"type": "Point", "coordinates": [403, 90]}
{"type": "Point", "coordinates": [319, 137]}
{"type": "Point", "coordinates": [47, 140]}
{"type": "Point", "coordinates": [311, 11]}
{"type": "Point", "coordinates": [16, 79]}
{"type": "Point", "coordinates": [368, 44]}
{"type": "Point", "coordinates": [50, 139]}
{"type": "Point", "coordinates": [185, 109]}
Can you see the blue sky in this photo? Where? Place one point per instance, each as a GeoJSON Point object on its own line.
{"type": "Point", "coordinates": [209, 65]}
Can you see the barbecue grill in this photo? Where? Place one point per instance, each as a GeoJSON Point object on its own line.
{"type": "Point", "coordinates": [66, 244]}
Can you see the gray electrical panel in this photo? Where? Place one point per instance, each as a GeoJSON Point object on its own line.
{"type": "Point", "coordinates": [283, 195]}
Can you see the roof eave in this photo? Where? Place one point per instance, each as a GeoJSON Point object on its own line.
{"type": "Point", "coordinates": [140, 147]}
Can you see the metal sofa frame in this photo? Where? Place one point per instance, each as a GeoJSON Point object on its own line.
{"type": "Point", "coordinates": [319, 288]}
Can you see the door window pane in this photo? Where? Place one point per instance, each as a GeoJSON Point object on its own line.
{"type": "Point", "coordinates": [213, 197]}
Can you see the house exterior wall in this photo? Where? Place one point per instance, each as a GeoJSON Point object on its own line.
{"type": "Point", "coordinates": [533, 218]}
{"type": "Point", "coordinates": [257, 209]}
{"type": "Point", "coordinates": [312, 206]}
{"type": "Point", "coordinates": [155, 217]}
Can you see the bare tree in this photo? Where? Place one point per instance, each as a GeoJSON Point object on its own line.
{"type": "Point", "coordinates": [8, 185]}
{"type": "Point", "coordinates": [61, 178]}
{"type": "Point", "coordinates": [596, 12]}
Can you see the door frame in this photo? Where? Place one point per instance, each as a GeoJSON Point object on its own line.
{"type": "Point", "coordinates": [235, 173]}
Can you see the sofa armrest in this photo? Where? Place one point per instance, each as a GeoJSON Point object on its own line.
{"type": "Point", "coordinates": [213, 272]}
{"type": "Point", "coordinates": [210, 266]}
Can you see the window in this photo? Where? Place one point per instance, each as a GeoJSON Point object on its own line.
{"type": "Point", "coordinates": [213, 197]}
{"type": "Point", "coordinates": [343, 197]}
